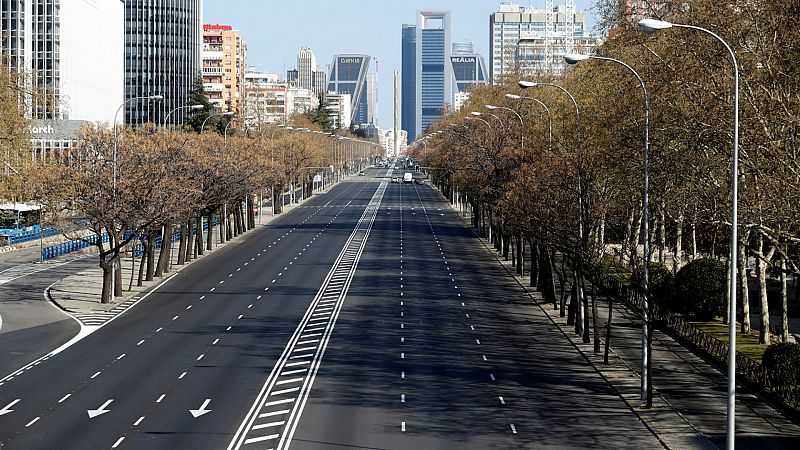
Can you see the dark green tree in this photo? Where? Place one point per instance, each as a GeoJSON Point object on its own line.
{"type": "Point", "coordinates": [197, 96]}
{"type": "Point", "coordinates": [319, 116]}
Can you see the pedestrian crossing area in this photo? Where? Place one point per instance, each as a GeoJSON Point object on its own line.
{"type": "Point", "coordinates": [96, 319]}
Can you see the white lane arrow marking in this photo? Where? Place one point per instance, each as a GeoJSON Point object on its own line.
{"type": "Point", "coordinates": [6, 409]}
{"type": "Point", "coordinates": [199, 412]}
{"type": "Point", "coordinates": [99, 411]}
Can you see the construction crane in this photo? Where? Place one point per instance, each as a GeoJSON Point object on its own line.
{"type": "Point", "coordinates": [549, 32]}
{"type": "Point", "coordinates": [569, 26]}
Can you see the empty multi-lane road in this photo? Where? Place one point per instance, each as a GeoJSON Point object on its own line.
{"type": "Point", "coordinates": [369, 317]}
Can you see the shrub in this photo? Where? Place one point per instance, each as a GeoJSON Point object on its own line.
{"type": "Point", "coordinates": [700, 288]}
{"type": "Point", "coordinates": [782, 360]}
{"type": "Point", "coordinates": [661, 284]}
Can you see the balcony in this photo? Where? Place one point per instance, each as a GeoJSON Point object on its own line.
{"type": "Point", "coordinates": [213, 71]}
{"type": "Point", "coordinates": [213, 87]}
{"type": "Point", "coordinates": [212, 56]}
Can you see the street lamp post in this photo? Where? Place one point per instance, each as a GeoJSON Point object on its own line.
{"type": "Point", "coordinates": [522, 122]}
{"type": "Point", "coordinates": [650, 26]}
{"type": "Point", "coordinates": [114, 168]}
{"type": "Point", "coordinates": [203, 126]}
{"type": "Point", "coordinates": [549, 116]}
{"type": "Point", "coordinates": [646, 337]}
{"type": "Point", "coordinates": [192, 107]}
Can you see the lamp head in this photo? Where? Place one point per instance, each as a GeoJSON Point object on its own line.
{"type": "Point", "coordinates": [526, 84]}
{"type": "Point", "coordinates": [513, 96]}
{"type": "Point", "coordinates": [575, 58]}
{"type": "Point", "coordinates": [649, 26]}
{"type": "Point", "coordinates": [229, 113]}
{"type": "Point", "coordinates": [156, 97]}
{"type": "Point", "coordinates": [490, 107]}
{"type": "Point", "coordinates": [476, 113]}
{"type": "Point", "coordinates": [196, 107]}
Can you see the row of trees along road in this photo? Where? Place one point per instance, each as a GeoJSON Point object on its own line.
{"type": "Point", "coordinates": [159, 182]}
{"type": "Point", "coordinates": [581, 200]}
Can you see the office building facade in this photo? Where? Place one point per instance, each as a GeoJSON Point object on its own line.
{"type": "Point", "coordinates": [349, 76]}
{"type": "Point", "coordinates": [224, 66]}
{"type": "Point", "coordinates": [268, 100]}
{"type": "Point", "coordinates": [408, 82]}
{"type": "Point", "coordinates": [76, 70]}
{"type": "Point", "coordinates": [469, 71]}
{"type": "Point", "coordinates": [521, 41]}
{"type": "Point", "coordinates": [163, 56]}
{"type": "Point", "coordinates": [434, 83]}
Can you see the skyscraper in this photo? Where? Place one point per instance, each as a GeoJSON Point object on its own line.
{"type": "Point", "coordinates": [349, 76]}
{"type": "Point", "coordinates": [306, 66]}
{"type": "Point", "coordinates": [434, 75]}
{"type": "Point", "coordinates": [408, 85]}
{"type": "Point", "coordinates": [469, 70]}
{"type": "Point", "coordinates": [163, 45]}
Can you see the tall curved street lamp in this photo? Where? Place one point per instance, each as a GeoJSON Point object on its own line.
{"type": "Point", "coordinates": [646, 338]}
{"type": "Point", "coordinates": [156, 97]}
{"type": "Point", "coordinates": [651, 26]}
{"type": "Point", "coordinates": [522, 122]}
{"type": "Point", "coordinates": [203, 126]}
{"type": "Point", "coordinates": [192, 107]}
{"type": "Point", "coordinates": [549, 116]}
{"type": "Point", "coordinates": [530, 84]}
{"type": "Point", "coordinates": [496, 117]}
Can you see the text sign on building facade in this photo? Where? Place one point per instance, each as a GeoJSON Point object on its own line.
{"type": "Point", "coordinates": [210, 27]}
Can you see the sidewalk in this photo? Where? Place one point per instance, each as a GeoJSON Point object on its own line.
{"type": "Point", "coordinates": [79, 294]}
{"type": "Point", "coordinates": [689, 398]}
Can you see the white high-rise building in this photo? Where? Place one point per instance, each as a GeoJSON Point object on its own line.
{"type": "Point", "coordinates": [306, 66]}
{"type": "Point", "coordinates": [521, 41]}
{"type": "Point", "coordinates": [268, 100]}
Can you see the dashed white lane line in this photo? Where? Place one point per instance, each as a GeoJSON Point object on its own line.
{"type": "Point", "coordinates": [228, 329]}
{"type": "Point", "coordinates": [140, 343]}
{"type": "Point", "coordinates": [201, 357]}
{"type": "Point", "coordinates": [182, 375]}
{"type": "Point", "coordinates": [32, 422]}
{"type": "Point", "coordinates": [141, 419]}
{"type": "Point", "coordinates": [513, 429]}
{"type": "Point", "coordinates": [119, 441]}
{"type": "Point", "coordinates": [202, 297]}
{"type": "Point", "coordinates": [189, 307]}
{"type": "Point", "coordinates": [120, 356]}
{"type": "Point", "coordinates": [502, 401]}
{"type": "Point", "coordinates": [491, 375]}
{"type": "Point", "coordinates": [161, 398]}
{"type": "Point", "coordinates": [403, 426]}
{"type": "Point", "coordinates": [261, 439]}
{"type": "Point", "coordinates": [159, 330]}
{"type": "Point", "coordinates": [215, 341]}
{"type": "Point", "coordinates": [402, 398]}
{"type": "Point", "coordinates": [175, 318]}
{"type": "Point", "coordinates": [64, 398]}
{"type": "Point", "coordinates": [95, 375]}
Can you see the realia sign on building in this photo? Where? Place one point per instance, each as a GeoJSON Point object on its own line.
{"type": "Point", "coordinates": [463, 59]}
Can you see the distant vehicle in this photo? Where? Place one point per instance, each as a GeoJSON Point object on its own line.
{"type": "Point", "coordinates": [408, 177]}
{"type": "Point", "coordinates": [395, 179]}
{"type": "Point", "coordinates": [361, 174]}
{"type": "Point", "coordinates": [419, 180]}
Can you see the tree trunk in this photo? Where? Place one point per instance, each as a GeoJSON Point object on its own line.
{"type": "Point", "coordinates": [210, 233]}
{"type": "Point", "coordinates": [662, 234]}
{"type": "Point", "coordinates": [222, 222]}
{"type": "Point", "coordinates": [163, 255]}
{"type": "Point", "coordinates": [182, 246]}
{"type": "Point", "coordinates": [761, 271]}
{"type": "Point", "coordinates": [608, 328]}
{"type": "Point", "coordinates": [534, 269]}
{"type": "Point", "coordinates": [677, 257]}
{"type": "Point", "coordinates": [151, 252]}
{"type": "Point", "coordinates": [595, 325]}
{"type": "Point", "coordinates": [106, 264]}
{"type": "Point", "coordinates": [744, 287]}
{"type": "Point", "coordinates": [784, 303]}
{"type": "Point", "coordinates": [191, 251]}
{"type": "Point", "coordinates": [142, 265]}
{"type": "Point", "coordinates": [637, 229]}
{"type": "Point", "coordinates": [585, 308]}
{"type": "Point", "coordinates": [573, 294]}
{"type": "Point", "coordinates": [199, 238]}
{"type": "Point", "coordinates": [626, 243]}
{"type": "Point", "coordinates": [562, 282]}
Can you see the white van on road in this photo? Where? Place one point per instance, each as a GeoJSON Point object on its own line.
{"type": "Point", "coordinates": [408, 177]}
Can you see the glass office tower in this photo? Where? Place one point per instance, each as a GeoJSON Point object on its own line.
{"type": "Point", "coordinates": [163, 56]}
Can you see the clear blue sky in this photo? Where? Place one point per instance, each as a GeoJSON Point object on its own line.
{"type": "Point", "coordinates": [276, 30]}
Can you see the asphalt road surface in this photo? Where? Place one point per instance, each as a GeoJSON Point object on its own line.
{"type": "Point", "coordinates": [366, 318]}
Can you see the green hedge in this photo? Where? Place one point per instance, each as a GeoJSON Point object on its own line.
{"type": "Point", "coordinates": [783, 361]}
{"type": "Point", "coordinates": [700, 288]}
